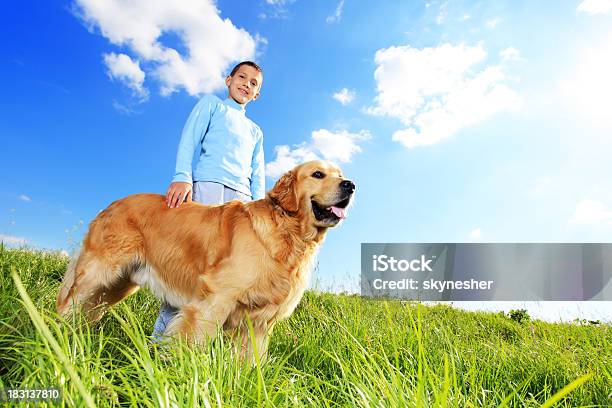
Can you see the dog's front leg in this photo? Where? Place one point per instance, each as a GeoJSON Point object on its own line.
{"type": "Point", "coordinates": [249, 342]}
{"type": "Point", "coordinates": [200, 320]}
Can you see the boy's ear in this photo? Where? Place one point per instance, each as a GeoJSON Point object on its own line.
{"type": "Point", "coordinates": [284, 192]}
{"type": "Point", "coordinates": [227, 80]}
{"type": "Point", "coordinates": [255, 96]}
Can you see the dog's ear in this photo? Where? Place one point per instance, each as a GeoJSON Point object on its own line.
{"type": "Point", "coordinates": [285, 193]}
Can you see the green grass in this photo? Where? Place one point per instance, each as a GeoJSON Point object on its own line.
{"type": "Point", "coordinates": [335, 350]}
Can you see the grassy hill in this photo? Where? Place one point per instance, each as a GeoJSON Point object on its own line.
{"type": "Point", "coordinates": [334, 351]}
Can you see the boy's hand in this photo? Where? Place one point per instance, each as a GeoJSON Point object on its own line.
{"type": "Point", "coordinates": [177, 193]}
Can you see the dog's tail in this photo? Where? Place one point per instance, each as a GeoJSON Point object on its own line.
{"type": "Point", "coordinates": [67, 287]}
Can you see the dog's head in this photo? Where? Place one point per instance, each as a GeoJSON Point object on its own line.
{"type": "Point", "coordinates": [316, 191]}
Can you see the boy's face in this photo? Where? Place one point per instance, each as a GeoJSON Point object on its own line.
{"type": "Point", "coordinates": [244, 86]}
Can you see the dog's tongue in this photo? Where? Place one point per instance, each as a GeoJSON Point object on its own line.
{"type": "Point", "coordinates": [339, 212]}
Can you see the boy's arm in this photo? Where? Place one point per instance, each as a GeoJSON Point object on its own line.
{"type": "Point", "coordinates": [258, 178]}
{"type": "Point", "coordinates": [193, 132]}
{"type": "Point", "coordinates": [192, 135]}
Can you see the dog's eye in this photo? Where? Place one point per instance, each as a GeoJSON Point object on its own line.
{"type": "Point", "coordinates": [318, 174]}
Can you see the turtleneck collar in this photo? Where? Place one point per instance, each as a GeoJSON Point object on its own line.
{"type": "Point", "coordinates": [230, 102]}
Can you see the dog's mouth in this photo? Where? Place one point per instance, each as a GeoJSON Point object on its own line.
{"type": "Point", "coordinates": [330, 214]}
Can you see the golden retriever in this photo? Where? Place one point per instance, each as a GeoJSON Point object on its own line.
{"type": "Point", "coordinates": [218, 264]}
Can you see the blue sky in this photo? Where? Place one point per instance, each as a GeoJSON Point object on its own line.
{"type": "Point", "coordinates": [458, 121]}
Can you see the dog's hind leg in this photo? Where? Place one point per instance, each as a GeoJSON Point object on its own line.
{"type": "Point", "coordinates": [93, 285]}
{"type": "Point", "coordinates": [112, 250]}
{"type": "Point", "coordinates": [106, 296]}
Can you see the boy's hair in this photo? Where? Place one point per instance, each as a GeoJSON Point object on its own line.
{"type": "Point", "coordinates": [250, 64]}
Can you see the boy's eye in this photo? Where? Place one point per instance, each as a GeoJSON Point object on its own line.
{"type": "Point", "coordinates": [318, 174]}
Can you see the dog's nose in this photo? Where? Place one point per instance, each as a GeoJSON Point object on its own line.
{"type": "Point", "coordinates": [347, 185]}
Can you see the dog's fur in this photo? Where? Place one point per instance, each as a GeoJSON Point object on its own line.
{"type": "Point", "coordinates": [216, 263]}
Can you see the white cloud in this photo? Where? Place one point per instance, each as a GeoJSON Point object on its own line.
{"type": "Point", "coordinates": [492, 23]}
{"type": "Point", "coordinates": [11, 240]}
{"type": "Point", "coordinates": [211, 44]}
{"type": "Point", "coordinates": [337, 14]}
{"type": "Point", "coordinates": [25, 198]}
{"type": "Point", "coordinates": [277, 9]}
{"type": "Point", "coordinates": [438, 91]}
{"type": "Point", "coordinates": [593, 7]}
{"type": "Point", "coordinates": [591, 212]}
{"type": "Point", "coordinates": [127, 109]}
{"type": "Point", "coordinates": [287, 158]}
{"type": "Point", "coordinates": [510, 54]}
{"type": "Point", "coordinates": [338, 146]}
{"type": "Point", "coordinates": [323, 144]}
{"type": "Point", "coordinates": [587, 87]}
{"type": "Point", "coordinates": [344, 96]}
{"type": "Point", "coordinates": [476, 234]}
{"type": "Point", "coordinates": [122, 68]}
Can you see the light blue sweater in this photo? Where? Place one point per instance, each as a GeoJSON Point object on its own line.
{"type": "Point", "coordinates": [226, 145]}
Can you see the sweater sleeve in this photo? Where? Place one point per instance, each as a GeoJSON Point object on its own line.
{"type": "Point", "coordinates": [193, 134]}
{"type": "Point", "coordinates": [258, 179]}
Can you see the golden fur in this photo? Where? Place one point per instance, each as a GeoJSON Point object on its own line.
{"type": "Point", "coordinates": [216, 263]}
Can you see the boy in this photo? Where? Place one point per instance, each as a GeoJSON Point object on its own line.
{"type": "Point", "coordinates": [230, 163]}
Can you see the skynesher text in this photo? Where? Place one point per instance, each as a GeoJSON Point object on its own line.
{"type": "Point", "coordinates": [431, 284]}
